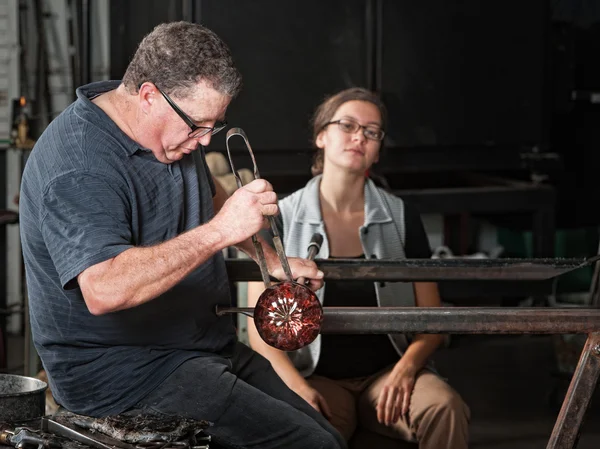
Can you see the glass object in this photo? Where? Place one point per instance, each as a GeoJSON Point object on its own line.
{"type": "Point", "coordinates": [288, 316]}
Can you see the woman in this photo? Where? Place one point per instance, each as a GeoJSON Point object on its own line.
{"type": "Point", "coordinates": [383, 383]}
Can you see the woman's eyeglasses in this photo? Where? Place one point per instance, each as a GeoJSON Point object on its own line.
{"type": "Point", "coordinates": [350, 127]}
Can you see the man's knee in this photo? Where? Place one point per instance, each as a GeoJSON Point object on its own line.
{"type": "Point", "coordinates": [323, 439]}
{"type": "Point", "coordinates": [322, 434]}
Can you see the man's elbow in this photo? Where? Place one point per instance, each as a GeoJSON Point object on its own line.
{"type": "Point", "coordinates": [99, 304]}
{"type": "Point", "coordinates": [99, 299]}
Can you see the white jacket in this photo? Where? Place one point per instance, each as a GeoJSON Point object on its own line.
{"type": "Point", "coordinates": [382, 236]}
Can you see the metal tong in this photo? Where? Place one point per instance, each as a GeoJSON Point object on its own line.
{"type": "Point", "coordinates": [262, 262]}
{"type": "Point", "coordinates": [313, 249]}
{"type": "Point", "coordinates": [24, 438]}
{"type": "Point", "coordinates": [94, 440]}
{"type": "Point", "coordinates": [98, 440]}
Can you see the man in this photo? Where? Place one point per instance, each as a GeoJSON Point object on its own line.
{"type": "Point", "coordinates": [122, 229]}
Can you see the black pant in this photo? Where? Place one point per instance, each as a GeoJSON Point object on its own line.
{"type": "Point", "coordinates": [245, 401]}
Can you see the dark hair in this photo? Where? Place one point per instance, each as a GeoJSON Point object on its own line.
{"type": "Point", "coordinates": [326, 110]}
{"type": "Point", "coordinates": [177, 55]}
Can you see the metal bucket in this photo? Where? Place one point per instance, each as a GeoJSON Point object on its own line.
{"type": "Point", "coordinates": [21, 398]}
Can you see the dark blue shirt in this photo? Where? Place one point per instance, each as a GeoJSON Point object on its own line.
{"type": "Point", "coordinates": [88, 193]}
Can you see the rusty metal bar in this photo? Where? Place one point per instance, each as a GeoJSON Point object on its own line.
{"type": "Point", "coordinates": [462, 320]}
{"type": "Point", "coordinates": [457, 320]}
{"type": "Point", "coordinates": [487, 320]}
{"type": "Point", "coordinates": [583, 383]}
{"type": "Point", "coordinates": [427, 269]}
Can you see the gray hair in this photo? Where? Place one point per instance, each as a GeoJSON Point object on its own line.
{"type": "Point", "coordinates": [177, 55]}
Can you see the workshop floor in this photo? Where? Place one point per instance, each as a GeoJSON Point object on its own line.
{"type": "Point", "coordinates": [513, 395]}
{"type": "Point", "coordinates": [507, 382]}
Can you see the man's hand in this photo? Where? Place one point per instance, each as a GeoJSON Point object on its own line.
{"type": "Point", "coordinates": [244, 213]}
{"type": "Point", "coordinates": [302, 269]}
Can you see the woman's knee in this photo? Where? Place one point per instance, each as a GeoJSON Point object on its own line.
{"type": "Point", "coordinates": [449, 404]}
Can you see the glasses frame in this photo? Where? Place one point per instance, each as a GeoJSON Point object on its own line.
{"type": "Point", "coordinates": [196, 131]}
{"type": "Point", "coordinates": [364, 128]}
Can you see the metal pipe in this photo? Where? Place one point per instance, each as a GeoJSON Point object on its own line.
{"type": "Point", "coordinates": [378, 65]}
{"type": "Point", "coordinates": [478, 320]}
{"type": "Point", "coordinates": [369, 45]}
{"type": "Point", "coordinates": [43, 97]}
{"type": "Point", "coordinates": [86, 42]}
{"type": "Point", "coordinates": [426, 269]}
{"type": "Point", "coordinates": [74, 44]}
{"type": "Point", "coordinates": [455, 320]}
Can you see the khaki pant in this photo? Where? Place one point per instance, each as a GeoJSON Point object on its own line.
{"type": "Point", "coordinates": [437, 418]}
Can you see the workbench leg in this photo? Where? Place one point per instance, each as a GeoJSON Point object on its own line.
{"type": "Point", "coordinates": [583, 383]}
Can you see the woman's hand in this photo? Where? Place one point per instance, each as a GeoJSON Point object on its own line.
{"type": "Point", "coordinates": [394, 399]}
{"type": "Point", "coordinates": [314, 398]}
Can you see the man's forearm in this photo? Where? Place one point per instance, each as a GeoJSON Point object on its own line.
{"type": "Point", "coordinates": [140, 274]}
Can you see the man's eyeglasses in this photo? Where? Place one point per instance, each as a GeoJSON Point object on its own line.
{"type": "Point", "coordinates": [350, 127]}
{"type": "Point", "coordinates": [197, 131]}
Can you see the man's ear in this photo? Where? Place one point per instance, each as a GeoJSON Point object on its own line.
{"type": "Point", "coordinates": [147, 96]}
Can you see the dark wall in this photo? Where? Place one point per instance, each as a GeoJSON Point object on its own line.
{"type": "Point", "coordinates": [575, 126]}
{"type": "Point", "coordinates": [291, 54]}
{"type": "Point", "coordinates": [463, 73]}
{"type": "Point", "coordinates": [452, 73]}
{"type": "Point", "coordinates": [130, 21]}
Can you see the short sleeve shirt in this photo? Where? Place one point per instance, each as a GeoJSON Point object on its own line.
{"type": "Point", "coordinates": [88, 193]}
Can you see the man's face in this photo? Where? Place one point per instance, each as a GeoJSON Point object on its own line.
{"type": "Point", "coordinates": [204, 106]}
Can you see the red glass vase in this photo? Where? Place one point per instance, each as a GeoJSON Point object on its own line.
{"type": "Point", "coordinates": [288, 316]}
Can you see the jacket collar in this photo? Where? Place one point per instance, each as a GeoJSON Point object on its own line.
{"type": "Point", "coordinates": [309, 209]}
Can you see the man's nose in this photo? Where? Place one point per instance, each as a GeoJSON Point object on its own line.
{"type": "Point", "coordinates": [204, 140]}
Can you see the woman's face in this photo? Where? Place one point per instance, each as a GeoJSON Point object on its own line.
{"type": "Point", "coordinates": [346, 145]}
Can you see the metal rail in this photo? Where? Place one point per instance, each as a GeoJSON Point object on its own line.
{"type": "Point", "coordinates": [427, 269]}
{"type": "Point", "coordinates": [483, 320]}
{"type": "Point", "coordinates": [453, 320]}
